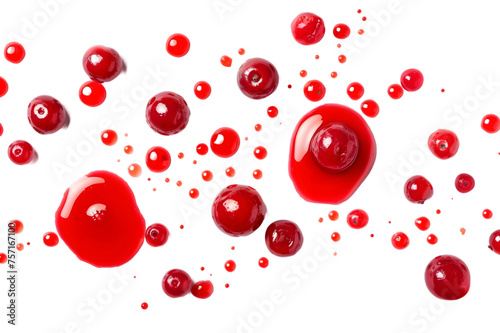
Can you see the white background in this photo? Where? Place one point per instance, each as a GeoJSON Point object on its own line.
{"type": "Point", "coordinates": [369, 286]}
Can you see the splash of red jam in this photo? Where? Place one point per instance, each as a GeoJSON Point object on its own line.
{"type": "Point", "coordinates": [99, 220]}
{"type": "Point", "coordinates": [311, 179]}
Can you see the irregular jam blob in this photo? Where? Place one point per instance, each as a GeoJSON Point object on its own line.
{"type": "Point", "coordinates": [312, 180]}
{"type": "Point", "coordinates": [99, 220]}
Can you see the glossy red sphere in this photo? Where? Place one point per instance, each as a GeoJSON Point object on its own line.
{"type": "Point", "coordinates": [447, 277]}
{"type": "Point", "coordinates": [238, 210]}
{"type": "Point", "coordinates": [490, 123]}
{"type": "Point", "coordinates": [167, 113]}
{"type": "Point", "coordinates": [109, 137]}
{"type": "Point", "coordinates": [314, 90]}
{"type": "Point", "coordinates": [443, 144]}
{"type": "Point", "coordinates": [335, 147]}
{"type": "Point", "coordinates": [21, 152]}
{"type": "Point", "coordinates": [355, 91]}
{"type": "Point", "coordinates": [357, 219]}
{"type": "Point", "coordinates": [158, 159]}
{"type": "Point", "coordinates": [494, 242]}
{"type": "Point", "coordinates": [92, 93]}
{"type": "Point", "coordinates": [370, 108]}
{"type": "Point", "coordinates": [225, 142]}
{"type": "Point", "coordinates": [464, 183]}
{"type": "Point", "coordinates": [202, 90]}
{"type": "Point", "coordinates": [178, 45]}
{"type": "Point", "coordinates": [418, 189]}
{"type": "Point", "coordinates": [400, 240]}
{"type": "Point", "coordinates": [202, 149]}
{"type": "Point", "coordinates": [202, 289]}
{"type": "Point", "coordinates": [308, 28]}
{"type": "Point", "coordinates": [341, 31]}
{"type": "Point", "coordinates": [284, 238]}
{"type": "Point", "coordinates": [157, 234]}
{"type": "Point", "coordinates": [257, 78]}
{"type": "Point", "coordinates": [423, 223]}
{"type": "Point", "coordinates": [177, 283]}
{"type": "Point", "coordinates": [14, 52]}
{"type": "Point", "coordinates": [46, 114]}
{"type": "Point", "coordinates": [395, 91]}
{"type": "Point", "coordinates": [50, 239]}
{"type": "Point", "coordinates": [102, 64]}
{"type": "Point", "coordinates": [412, 79]}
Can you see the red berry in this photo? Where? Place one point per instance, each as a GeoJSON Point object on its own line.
{"type": "Point", "coordinates": [92, 93]}
{"type": "Point", "coordinates": [308, 28]}
{"type": "Point", "coordinates": [412, 79]}
{"type": "Point", "coordinates": [272, 112]}
{"type": "Point", "coordinates": [46, 114]}
{"type": "Point", "coordinates": [400, 240]}
{"type": "Point", "coordinates": [355, 91]}
{"type": "Point", "coordinates": [357, 219]}
{"type": "Point", "coordinates": [370, 108]}
{"type": "Point", "coordinates": [109, 137]}
{"type": "Point", "coordinates": [102, 64]}
{"type": "Point", "coordinates": [443, 144]}
{"type": "Point", "coordinates": [260, 152]}
{"type": "Point", "coordinates": [202, 289]}
{"type": "Point", "coordinates": [335, 147]}
{"type": "Point", "coordinates": [423, 223]}
{"type": "Point", "coordinates": [284, 238]}
{"type": "Point", "coordinates": [447, 277]}
{"type": "Point", "coordinates": [495, 242]}
{"type": "Point", "coordinates": [4, 87]}
{"type": "Point", "coordinates": [230, 265]}
{"type": "Point", "coordinates": [178, 45]}
{"type": "Point", "coordinates": [14, 52]}
{"type": "Point", "coordinates": [263, 262]}
{"type": "Point", "coordinates": [490, 123]}
{"type": "Point", "coordinates": [202, 149]}
{"type": "Point", "coordinates": [177, 283]}
{"type": "Point", "coordinates": [202, 90]}
{"type": "Point", "coordinates": [157, 234]}
{"type": "Point", "coordinates": [21, 152]}
{"type": "Point", "coordinates": [238, 210]}
{"type": "Point", "coordinates": [341, 31]}
{"type": "Point", "coordinates": [417, 189]}
{"type": "Point", "coordinates": [314, 90]}
{"type": "Point", "coordinates": [225, 142]}
{"type": "Point", "coordinates": [167, 113]}
{"type": "Point", "coordinates": [464, 183]}
{"type": "Point", "coordinates": [158, 159]}
{"type": "Point", "coordinates": [257, 78]}
{"type": "Point", "coordinates": [395, 91]}
{"type": "Point", "coordinates": [50, 239]}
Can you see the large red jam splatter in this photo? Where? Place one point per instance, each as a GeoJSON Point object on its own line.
{"type": "Point", "coordinates": [99, 220]}
{"type": "Point", "coordinates": [313, 182]}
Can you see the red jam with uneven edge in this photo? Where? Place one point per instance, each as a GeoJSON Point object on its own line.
{"type": "Point", "coordinates": [99, 220]}
{"type": "Point", "coordinates": [312, 182]}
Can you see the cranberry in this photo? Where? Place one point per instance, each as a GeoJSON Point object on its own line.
{"type": "Point", "coordinates": [395, 91]}
{"type": "Point", "coordinates": [447, 277]}
{"type": "Point", "coordinates": [335, 147]}
{"type": "Point", "coordinates": [202, 289]}
{"type": "Point", "coordinates": [355, 91]}
{"type": "Point", "coordinates": [202, 90]}
{"type": "Point", "coordinates": [14, 52]}
{"type": "Point", "coordinates": [423, 223]}
{"type": "Point", "coordinates": [50, 239]}
{"type": "Point", "coordinates": [225, 142]}
{"type": "Point", "coordinates": [178, 45]}
{"type": "Point", "coordinates": [341, 31]}
{"type": "Point", "coordinates": [4, 87]}
{"type": "Point", "coordinates": [495, 242]}
{"type": "Point", "coordinates": [490, 123]}
{"type": "Point", "coordinates": [412, 79]}
{"type": "Point", "coordinates": [167, 113]}
{"type": "Point", "coordinates": [158, 159]}
{"type": "Point", "coordinates": [102, 64]}
{"type": "Point", "coordinates": [284, 238]}
{"type": "Point", "coordinates": [443, 144]}
{"type": "Point", "coordinates": [230, 265]}
{"type": "Point", "coordinates": [370, 108]}
{"type": "Point", "coordinates": [238, 210]}
{"type": "Point", "coordinates": [46, 114]}
{"type": "Point", "coordinates": [157, 235]}
{"type": "Point", "coordinates": [314, 90]}
{"type": "Point", "coordinates": [357, 219]}
{"type": "Point", "coordinates": [308, 28]}
{"type": "Point", "coordinates": [400, 240]}
{"type": "Point", "coordinates": [21, 152]}
{"type": "Point", "coordinates": [464, 183]}
{"type": "Point", "coordinates": [257, 78]}
{"type": "Point", "coordinates": [417, 189]}
{"type": "Point", "coordinates": [92, 93]}
{"type": "Point", "coordinates": [177, 283]}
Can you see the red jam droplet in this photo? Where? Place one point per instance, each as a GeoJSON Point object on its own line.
{"type": "Point", "coordinates": [92, 93]}
{"type": "Point", "coordinates": [99, 220]}
{"type": "Point", "coordinates": [257, 174]}
{"type": "Point", "coordinates": [50, 239]}
{"type": "Point", "coordinates": [272, 112]}
{"type": "Point", "coordinates": [18, 226]}
{"type": "Point", "coordinates": [178, 45]}
{"type": "Point", "coordinates": [432, 239]}
{"type": "Point", "coordinates": [417, 189]}
{"type": "Point", "coordinates": [176, 283]}
{"type": "Point", "coordinates": [144, 306]}
{"type": "Point", "coordinates": [423, 223]}
{"type": "Point", "coordinates": [490, 123]}
{"type": "Point", "coordinates": [21, 152]}
{"type": "Point", "coordinates": [464, 183]}
{"type": "Point", "coordinates": [207, 175]}
{"type": "Point", "coordinates": [135, 170]}
{"type": "Point", "coordinates": [226, 61]}
{"type": "Point", "coordinates": [230, 172]}
{"type": "Point", "coordinates": [395, 91]}
{"type": "Point", "coordinates": [128, 150]}
{"type": "Point", "coordinates": [102, 64]}
{"type": "Point", "coordinates": [225, 142]}
{"type": "Point", "coordinates": [357, 219]}
{"type": "Point", "coordinates": [487, 214]}
{"type": "Point", "coordinates": [260, 152]}
{"type": "Point", "coordinates": [342, 59]}
{"type": "Point", "coordinates": [46, 114]}
{"type": "Point", "coordinates": [230, 266]}
{"type": "Point", "coordinates": [447, 277]}
{"type": "Point", "coordinates": [303, 73]}
{"type": "Point", "coordinates": [335, 236]}
{"type": "Point", "coordinates": [400, 240]}
{"type": "Point", "coordinates": [263, 262]}
{"type": "Point", "coordinates": [284, 238]}
{"type": "Point", "coordinates": [4, 87]}
{"type": "Point", "coordinates": [443, 144]}
{"type": "Point", "coordinates": [314, 90]}
{"type": "Point", "coordinates": [355, 91]}
{"type": "Point", "coordinates": [202, 149]}
{"type": "Point", "coordinates": [311, 180]}
{"type": "Point", "coordinates": [3, 258]}
{"type": "Point", "coordinates": [158, 159]}
{"type": "Point", "coordinates": [167, 113]}
{"type": "Point", "coordinates": [241, 51]}
{"type": "Point", "coordinates": [412, 79]}
{"type": "Point", "coordinates": [157, 235]}
{"type": "Point", "coordinates": [202, 289]}
{"type": "Point", "coordinates": [333, 215]}
{"type": "Point", "coordinates": [202, 90]}
{"type": "Point", "coordinates": [370, 108]}
{"type": "Point", "coordinates": [341, 31]}
{"type": "Point", "coordinates": [109, 137]}
{"type": "Point", "coordinates": [14, 52]}
{"type": "Point", "coordinates": [308, 28]}
{"type": "Point", "coordinates": [238, 210]}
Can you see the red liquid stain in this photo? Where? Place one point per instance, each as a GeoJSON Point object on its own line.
{"type": "Point", "coordinates": [372, 235]}
{"type": "Point", "coordinates": [412, 79]}
{"type": "Point", "coordinates": [202, 149]}
{"type": "Point", "coordinates": [225, 142]}
{"type": "Point", "coordinates": [202, 268]}
{"type": "Point", "coordinates": [230, 172]}
{"type": "Point", "coordinates": [167, 180]}
{"type": "Point", "coordinates": [99, 220]}
{"type": "Point", "coordinates": [333, 215]}
{"type": "Point", "coordinates": [134, 170]}
{"type": "Point", "coordinates": [128, 149]}
{"type": "Point", "coordinates": [289, 86]}
{"type": "Point", "coordinates": [359, 11]}
{"type": "Point", "coordinates": [487, 214]}
{"type": "Point", "coordinates": [241, 51]}
{"type": "Point", "coordinates": [226, 61]}
{"type": "Point", "coordinates": [357, 219]}
{"type": "Point", "coordinates": [207, 175]}
{"type": "Point", "coordinates": [194, 193]}
{"type": "Point", "coordinates": [202, 90]}
{"type": "Point", "coordinates": [272, 112]}
{"type": "Point", "coordinates": [364, 18]}
{"type": "Point", "coordinates": [432, 239]}
{"type": "Point", "coordinates": [178, 45]}
{"type": "Point", "coordinates": [423, 223]}
{"type": "Point", "coordinates": [226, 285]}
{"type": "Point", "coordinates": [260, 152]}
{"type": "Point", "coordinates": [303, 73]}
{"type": "Point", "coordinates": [339, 45]}
{"type": "Point", "coordinates": [195, 162]}
{"type": "Point", "coordinates": [230, 266]}
{"type": "Point", "coordinates": [442, 90]}
{"type": "Point", "coordinates": [158, 159]}
{"type": "Point", "coordinates": [1, 129]}
{"type": "Point", "coordinates": [335, 237]}
{"type": "Point", "coordinates": [263, 262]}
{"type": "Point", "coordinates": [109, 137]}
{"type": "Point", "coordinates": [257, 174]}
{"type": "Point", "coordinates": [232, 248]}
{"type": "Point", "coordinates": [50, 239]}
{"type": "Point", "coordinates": [316, 57]}
{"type": "Point", "coordinates": [181, 226]}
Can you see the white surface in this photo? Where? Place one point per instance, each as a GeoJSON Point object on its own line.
{"type": "Point", "coordinates": [369, 286]}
